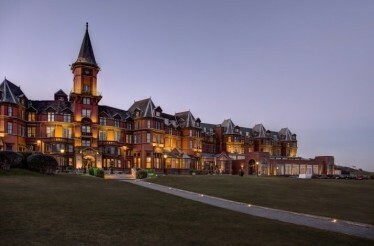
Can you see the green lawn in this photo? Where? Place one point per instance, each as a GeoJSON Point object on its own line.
{"type": "Point", "coordinates": [343, 199]}
{"type": "Point", "coordinates": [81, 210]}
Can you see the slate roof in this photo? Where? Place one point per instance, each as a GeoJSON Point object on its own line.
{"type": "Point", "coordinates": [185, 119]}
{"type": "Point", "coordinates": [86, 54]}
{"type": "Point", "coordinates": [61, 93]}
{"type": "Point", "coordinates": [285, 134]}
{"type": "Point", "coordinates": [10, 92]}
{"type": "Point", "coordinates": [45, 105]}
{"type": "Point", "coordinates": [169, 119]}
{"type": "Point", "coordinates": [146, 107]}
{"type": "Point", "coordinates": [206, 127]}
{"type": "Point", "coordinates": [259, 131]}
{"type": "Point", "coordinates": [111, 112]}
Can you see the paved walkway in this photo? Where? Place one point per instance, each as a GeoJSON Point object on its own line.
{"type": "Point", "coordinates": [324, 223]}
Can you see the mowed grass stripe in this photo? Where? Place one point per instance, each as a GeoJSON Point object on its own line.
{"type": "Point", "coordinates": [77, 210]}
{"type": "Point", "coordinates": [342, 199]}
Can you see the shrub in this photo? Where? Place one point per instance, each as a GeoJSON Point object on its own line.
{"type": "Point", "coordinates": [100, 173]}
{"type": "Point", "coordinates": [24, 159]}
{"type": "Point", "coordinates": [141, 174]}
{"type": "Point", "coordinates": [42, 163]}
{"type": "Point", "coordinates": [10, 159]}
{"type": "Point", "coordinates": [91, 171]}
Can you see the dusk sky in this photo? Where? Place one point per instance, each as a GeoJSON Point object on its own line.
{"type": "Point", "coordinates": [305, 65]}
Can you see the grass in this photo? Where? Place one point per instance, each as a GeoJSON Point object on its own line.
{"type": "Point", "coordinates": [342, 199]}
{"type": "Point", "coordinates": [82, 210]}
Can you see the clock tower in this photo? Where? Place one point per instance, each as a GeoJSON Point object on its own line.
{"type": "Point", "coordinates": [84, 102]}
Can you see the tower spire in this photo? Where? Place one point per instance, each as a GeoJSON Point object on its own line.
{"type": "Point", "coordinates": [86, 54]}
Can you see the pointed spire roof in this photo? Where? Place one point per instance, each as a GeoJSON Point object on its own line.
{"type": "Point", "coordinates": [86, 54]}
{"type": "Point", "coordinates": [9, 92]}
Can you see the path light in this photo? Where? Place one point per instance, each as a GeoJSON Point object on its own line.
{"type": "Point", "coordinates": [201, 195]}
{"type": "Point", "coordinates": [169, 188]}
{"type": "Point", "coordinates": [334, 221]}
{"type": "Point", "coordinates": [249, 205]}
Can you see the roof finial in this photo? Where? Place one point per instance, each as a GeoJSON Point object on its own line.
{"type": "Point", "coordinates": [86, 26]}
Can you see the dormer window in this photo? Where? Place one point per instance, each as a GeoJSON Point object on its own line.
{"type": "Point", "coordinates": [103, 121]}
{"type": "Point", "coordinates": [116, 122]}
{"type": "Point", "coordinates": [158, 114]}
{"type": "Point", "coordinates": [67, 117]}
{"type": "Point", "coordinates": [51, 116]}
{"type": "Point", "coordinates": [236, 129]}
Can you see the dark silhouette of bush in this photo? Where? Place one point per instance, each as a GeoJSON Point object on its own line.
{"type": "Point", "coordinates": [9, 159]}
{"type": "Point", "coordinates": [24, 158]}
{"type": "Point", "coordinates": [45, 164]}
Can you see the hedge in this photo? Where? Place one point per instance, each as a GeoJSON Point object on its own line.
{"type": "Point", "coordinates": [43, 163]}
{"type": "Point", "coordinates": [10, 159]}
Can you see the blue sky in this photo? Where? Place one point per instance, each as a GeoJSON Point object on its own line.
{"type": "Point", "coordinates": [305, 65]}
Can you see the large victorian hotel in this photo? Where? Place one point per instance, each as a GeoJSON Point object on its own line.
{"type": "Point", "coordinates": [81, 133]}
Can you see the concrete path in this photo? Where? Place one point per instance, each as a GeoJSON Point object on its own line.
{"type": "Point", "coordinates": [324, 223]}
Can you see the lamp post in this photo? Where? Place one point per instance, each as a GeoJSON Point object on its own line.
{"type": "Point", "coordinates": [257, 168]}
{"type": "Point", "coordinates": [62, 158]}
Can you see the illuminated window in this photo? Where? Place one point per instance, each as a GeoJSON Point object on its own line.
{"type": "Point", "coordinates": [31, 116]}
{"type": "Point", "coordinates": [190, 133]}
{"type": "Point", "coordinates": [51, 116]}
{"type": "Point", "coordinates": [50, 131]}
{"type": "Point", "coordinates": [102, 136]}
{"type": "Point", "coordinates": [31, 132]}
{"type": "Point", "coordinates": [190, 144]}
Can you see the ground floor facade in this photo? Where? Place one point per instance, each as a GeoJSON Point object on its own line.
{"type": "Point", "coordinates": [177, 162]}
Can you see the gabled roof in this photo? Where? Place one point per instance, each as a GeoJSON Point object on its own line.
{"type": "Point", "coordinates": [61, 93]}
{"type": "Point", "coordinates": [259, 131]}
{"type": "Point", "coordinates": [86, 54]}
{"type": "Point", "coordinates": [10, 92]}
{"type": "Point", "coordinates": [45, 105]}
{"type": "Point", "coordinates": [185, 119]}
{"type": "Point", "coordinates": [146, 106]}
{"type": "Point", "coordinates": [111, 112]}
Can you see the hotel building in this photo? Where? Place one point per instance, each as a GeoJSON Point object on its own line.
{"type": "Point", "coordinates": [81, 133]}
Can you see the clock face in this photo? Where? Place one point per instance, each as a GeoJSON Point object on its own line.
{"type": "Point", "coordinates": [87, 71]}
